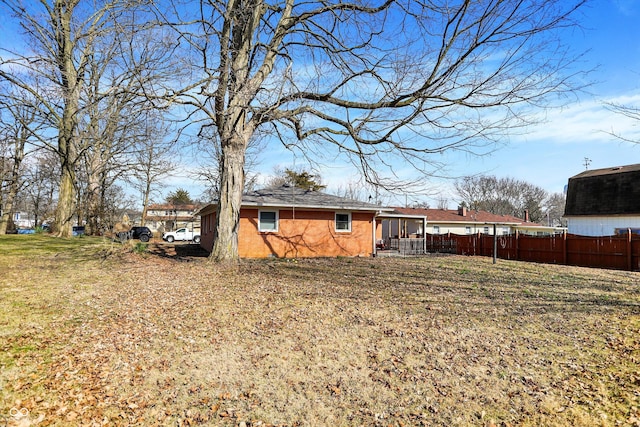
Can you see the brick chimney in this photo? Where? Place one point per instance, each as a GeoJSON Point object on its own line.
{"type": "Point", "coordinates": [526, 215]}
{"type": "Point", "coordinates": [462, 211]}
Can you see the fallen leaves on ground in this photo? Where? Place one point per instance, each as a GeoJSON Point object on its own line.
{"type": "Point", "coordinates": [132, 339]}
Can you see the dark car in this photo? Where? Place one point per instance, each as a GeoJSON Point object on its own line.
{"type": "Point", "coordinates": [142, 233]}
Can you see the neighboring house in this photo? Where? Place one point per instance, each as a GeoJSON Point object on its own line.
{"type": "Point", "coordinates": [464, 221]}
{"type": "Point", "coordinates": [23, 220]}
{"type": "Point", "coordinates": [604, 202]}
{"type": "Point", "coordinates": [292, 222]}
{"type": "Point", "coordinates": [168, 217]}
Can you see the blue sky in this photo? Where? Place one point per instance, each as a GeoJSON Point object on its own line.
{"type": "Point", "coordinates": [549, 153]}
{"type": "Point", "coordinates": [556, 149]}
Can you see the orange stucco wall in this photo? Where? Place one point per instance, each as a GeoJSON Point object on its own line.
{"type": "Point", "coordinates": [308, 234]}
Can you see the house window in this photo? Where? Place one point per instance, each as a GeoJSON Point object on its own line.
{"type": "Point", "coordinates": [436, 229]}
{"type": "Point", "coordinates": [268, 221]}
{"type": "Point", "coordinates": [505, 231]}
{"type": "Point", "coordinates": [467, 230]}
{"type": "Point", "coordinates": [343, 222]}
{"type": "Point", "coordinates": [486, 230]}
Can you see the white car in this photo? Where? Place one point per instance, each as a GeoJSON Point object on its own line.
{"type": "Point", "coordinates": [182, 234]}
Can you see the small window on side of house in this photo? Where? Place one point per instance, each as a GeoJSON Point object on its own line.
{"type": "Point", "coordinates": [436, 229]}
{"type": "Point", "coordinates": [486, 230]}
{"type": "Point", "coordinates": [343, 222]}
{"type": "Point", "coordinates": [467, 230]}
{"type": "Point", "coordinates": [268, 221]}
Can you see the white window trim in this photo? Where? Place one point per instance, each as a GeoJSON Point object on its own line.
{"type": "Point", "coordinates": [335, 218]}
{"type": "Point", "coordinates": [260, 229]}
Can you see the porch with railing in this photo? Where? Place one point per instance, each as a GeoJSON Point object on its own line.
{"type": "Point", "coordinates": [412, 246]}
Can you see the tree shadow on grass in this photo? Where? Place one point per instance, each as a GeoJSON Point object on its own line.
{"type": "Point", "coordinates": [180, 252]}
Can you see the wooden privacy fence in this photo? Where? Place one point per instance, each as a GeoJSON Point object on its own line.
{"type": "Point", "coordinates": [621, 252]}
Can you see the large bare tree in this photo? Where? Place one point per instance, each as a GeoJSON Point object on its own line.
{"type": "Point", "coordinates": [84, 56]}
{"type": "Point", "coordinates": [383, 82]}
{"type": "Point", "coordinates": [60, 35]}
{"type": "Point", "coordinates": [18, 125]}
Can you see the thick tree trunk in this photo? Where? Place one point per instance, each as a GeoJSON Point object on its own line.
{"type": "Point", "coordinates": [13, 186]}
{"type": "Point", "coordinates": [145, 202]}
{"type": "Point", "coordinates": [225, 244]}
{"type": "Point", "coordinates": [7, 208]}
{"type": "Point", "coordinates": [71, 88]}
{"type": "Point", "coordinates": [93, 204]}
{"type": "Point", "coordinates": [66, 203]}
{"type": "Point", "coordinates": [67, 192]}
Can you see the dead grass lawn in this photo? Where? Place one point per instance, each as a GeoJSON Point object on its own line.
{"type": "Point", "coordinates": [94, 334]}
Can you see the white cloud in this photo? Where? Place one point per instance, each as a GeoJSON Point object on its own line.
{"type": "Point", "coordinates": [586, 121]}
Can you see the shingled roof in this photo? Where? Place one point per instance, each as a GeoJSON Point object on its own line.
{"type": "Point", "coordinates": [435, 216]}
{"type": "Point", "coordinates": [608, 191]}
{"type": "Point", "coordinates": [290, 196]}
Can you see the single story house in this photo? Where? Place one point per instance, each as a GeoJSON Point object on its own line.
{"type": "Point", "coordinates": [604, 202]}
{"type": "Point", "coordinates": [293, 222]}
{"type": "Point", "coordinates": [464, 221]}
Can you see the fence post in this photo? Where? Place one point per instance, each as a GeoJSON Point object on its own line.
{"type": "Point", "coordinates": [517, 245]}
{"type": "Point", "coordinates": [495, 244]}
{"type": "Point", "coordinates": [629, 257]}
{"type": "Point", "coordinates": [565, 256]}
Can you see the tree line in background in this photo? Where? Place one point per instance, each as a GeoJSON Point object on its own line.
{"type": "Point", "coordinates": [108, 88]}
{"type": "Point", "coordinates": [510, 196]}
{"type": "Point", "coordinates": [72, 97]}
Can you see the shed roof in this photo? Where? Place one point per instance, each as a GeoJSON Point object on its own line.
{"type": "Point", "coordinates": [607, 191]}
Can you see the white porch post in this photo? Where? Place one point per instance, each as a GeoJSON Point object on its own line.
{"type": "Point", "coordinates": [375, 248]}
{"type": "Point", "coordinates": [424, 235]}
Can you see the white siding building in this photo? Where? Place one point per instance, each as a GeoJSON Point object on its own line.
{"type": "Point", "coordinates": [602, 225]}
{"type": "Point", "coordinates": [604, 202]}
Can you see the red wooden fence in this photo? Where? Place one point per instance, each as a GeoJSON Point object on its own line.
{"type": "Point", "coordinates": [621, 252]}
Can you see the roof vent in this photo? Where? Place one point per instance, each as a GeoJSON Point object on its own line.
{"type": "Point", "coordinates": [617, 168]}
